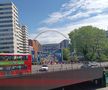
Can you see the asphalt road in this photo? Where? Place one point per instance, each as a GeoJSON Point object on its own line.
{"type": "Point", "coordinates": [56, 67]}
{"type": "Point", "coordinates": [60, 67]}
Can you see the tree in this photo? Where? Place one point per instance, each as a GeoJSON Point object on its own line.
{"type": "Point", "coordinates": [90, 41]}
{"type": "Point", "coordinates": [66, 54]}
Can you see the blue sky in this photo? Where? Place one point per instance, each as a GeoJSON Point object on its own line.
{"type": "Point", "coordinates": [32, 12]}
{"type": "Point", "coordinates": [61, 15]}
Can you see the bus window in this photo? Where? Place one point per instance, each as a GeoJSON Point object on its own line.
{"type": "Point", "coordinates": [24, 57]}
{"type": "Point", "coordinates": [16, 67]}
{"type": "Point", "coordinates": [19, 57]}
{"type": "Point", "coordinates": [15, 57]}
{"type": "Point", "coordinates": [19, 67]}
{"type": "Point", "coordinates": [10, 58]}
{"type": "Point", "coordinates": [1, 58]}
{"type": "Point", "coordinates": [13, 67]}
{"type": "Point", "coordinates": [1, 68]}
{"type": "Point", "coordinates": [23, 67]}
{"type": "Point", "coordinates": [7, 68]}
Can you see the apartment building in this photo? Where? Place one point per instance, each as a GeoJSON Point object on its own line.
{"type": "Point", "coordinates": [13, 36]}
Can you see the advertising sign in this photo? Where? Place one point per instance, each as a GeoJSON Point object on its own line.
{"type": "Point", "coordinates": [58, 55]}
{"type": "Point", "coordinates": [11, 62]}
{"type": "Point", "coordinates": [33, 55]}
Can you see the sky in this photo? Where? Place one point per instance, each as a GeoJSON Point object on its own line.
{"type": "Point", "coordinates": [60, 15]}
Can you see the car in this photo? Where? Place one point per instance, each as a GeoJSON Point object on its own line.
{"type": "Point", "coordinates": [85, 66]}
{"type": "Point", "coordinates": [94, 64]}
{"type": "Point", "coordinates": [90, 65]}
{"type": "Point", "coordinates": [44, 68]}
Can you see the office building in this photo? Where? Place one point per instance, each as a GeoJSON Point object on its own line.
{"type": "Point", "coordinates": [13, 37]}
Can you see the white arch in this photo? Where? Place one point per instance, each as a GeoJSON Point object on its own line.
{"type": "Point", "coordinates": [51, 31]}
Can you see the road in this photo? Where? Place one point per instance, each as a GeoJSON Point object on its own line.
{"type": "Point", "coordinates": [56, 67]}
{"type": "Point", "coordinates": [59, 67]}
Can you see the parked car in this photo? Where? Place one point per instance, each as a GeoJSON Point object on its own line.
{"type": "Point", "coordinates": [44, 68]}
{"type": "Point", "coordinates": [85, 66]}
{"type": "Point", "coordinates": [90, 65]}
{"type": "Point", "coordinates": [93, 64]}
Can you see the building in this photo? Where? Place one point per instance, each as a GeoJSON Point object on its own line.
{"type": "Point", "coordinates": [64, 44]}
{"type": "Point", "coordinates": [35, 44]}
{"type": "Point", "coordinates": [50, 47]}
{"type": "Point", "coordinates": [25, 39]}
{"type": "Point", "coordinates": [56, 46]}
{"type": "Point", "coordinates": [13, 37]}
{"type": "Point", "coordinates": [34, 48]}
{"type": "Point", "coordinates": [54, 51]}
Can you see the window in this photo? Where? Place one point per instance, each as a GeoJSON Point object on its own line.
{"type": "Point", "coordinates": [6, 43]}
{"type": "Point", "coordinates": [13, 67]}
{"type": "Point", "coordinates": [5, 8]}
{"type": "Point", "coordinates": [10, 58]}
{"type": "Point", "coordinates": [5, 30]}
{"type": "Point", "coordinates": [19, 57]}
{"type": "Point", "coordinates": [18, 67]}
{"type": "Point", "coordinates": [9, 38]}
{"type": "Point", "coordinates": [6, 47]}
{"type": "Point", "coordinates": [1, 58]}
{"type": "Point", "coordinates": [5, 17]}
{"type": "Point", "coordinates": [5, 12]}
{"type": "Point", "coordinates": [1, 68]}
{"type": "Point", "coordinates": [24, 57]}
{"type": "Point", "coordinates": [9, 25]}
{"type": "Point", "coordinates": [5, 4]}
{"type": "Point", "coordinates": [23, 67]}
{"type": "Point", "coordinates": [6, 21]}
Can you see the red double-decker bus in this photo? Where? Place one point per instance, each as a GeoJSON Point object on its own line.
{"type": "Point", "coordinates": [14, 64]}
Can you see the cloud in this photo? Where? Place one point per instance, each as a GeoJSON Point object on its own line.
{"type": "Point", "coordinates": [54, 17]}
{"type": "Point", "coordinates": [74, 14]}
{"type": "Point", "coordinates": [95, 4]}
{"type": "Point", "coordinates": [75, 9]}
{"type": "Point", "coordinates": [99, 21]}
{"type": "Point", "coordinates": [64, 11]}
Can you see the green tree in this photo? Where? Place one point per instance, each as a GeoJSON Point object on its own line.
{"type": "Point", "coordinates": [90, 41]}
{"type": "Point", "coordinates": [66, 54]}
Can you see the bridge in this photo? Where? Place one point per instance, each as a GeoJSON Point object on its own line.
{"type": "Point", "coordinates": [56, 79]}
